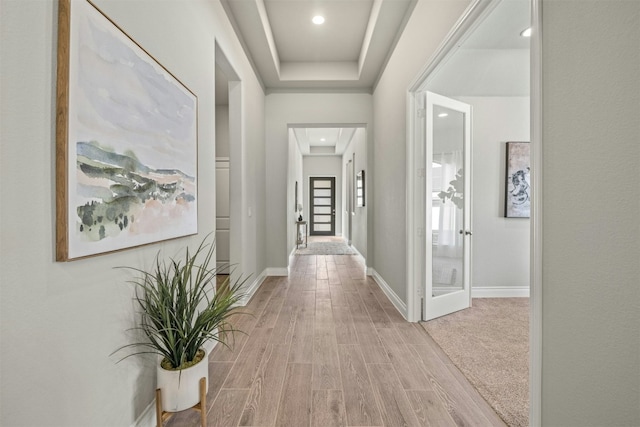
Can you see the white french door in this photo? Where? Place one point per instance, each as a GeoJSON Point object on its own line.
{"type": "Point", "coordinates": [448, 206]}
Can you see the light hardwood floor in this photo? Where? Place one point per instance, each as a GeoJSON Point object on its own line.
{"type": "Point", "coordinates": [325, 347]}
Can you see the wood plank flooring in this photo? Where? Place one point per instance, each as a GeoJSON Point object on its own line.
{"type": "Point", "coordinates": [325, 347]}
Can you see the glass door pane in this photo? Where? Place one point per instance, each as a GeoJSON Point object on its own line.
{"type": "Point", "coordinates": [447, 176]}
{"type": "Point", "coordinates": [448, 144]}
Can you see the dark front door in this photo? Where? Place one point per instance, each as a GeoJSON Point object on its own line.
{"type": "Point", "coordinates": [323, 206]}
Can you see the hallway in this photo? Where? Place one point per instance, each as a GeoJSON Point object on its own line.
{"type": "Point", "coordinates": [325, 347]}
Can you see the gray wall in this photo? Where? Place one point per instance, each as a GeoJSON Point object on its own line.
{"type": "Point", "coordinates": [426, 29]}
{"type": "Point", "coordinates": [359, 222]}
{"type": "Point", "coordinates": [60, 321]}
{"type": "Point", "coordinates": [222, 131]}
{"type": "Point", "coordinates": [590, 213]}
{"type": "Point", "coordinates": [294, 174]}
{"type": "Point", "coordinates": [282, 110]}
{"type": "Point", "coordinates": [500, 245]}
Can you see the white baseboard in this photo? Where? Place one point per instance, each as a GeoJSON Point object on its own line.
{"type": "Point", "coordinates": [500, 292]}
{"type": "Point", "coordinates": [251, 290]}
{"type": "Point", "coordinates": [369, 269]}
{"type": "Point", "coordinates": [395, 299]}
{"type": "Point", "coordinates": [148, 416]}
{"type": "Point", "coordinates": [277, 271]}
{"type": "Point", "coordinates": [291, 256]}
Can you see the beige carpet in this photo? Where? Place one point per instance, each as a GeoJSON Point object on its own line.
{"type": "Point", "coordinates": [489, 343]}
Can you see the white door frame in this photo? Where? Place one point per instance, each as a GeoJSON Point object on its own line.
{"type": "Point", "coordinates": [237, 184]}
{"type": "Point", "coordinates": [415, 184]}
{"type": "Point", "coordinates": [415, 151]}
{"type": "Point", "coordinates": [537, 146]}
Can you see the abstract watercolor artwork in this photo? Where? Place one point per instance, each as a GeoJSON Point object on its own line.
{"type": "Point", "coordinates": [126, 159]}
{"type": "Point", "coordinates": [518, 189]}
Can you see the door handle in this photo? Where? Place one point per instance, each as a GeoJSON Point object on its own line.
{"type": "Point", "coordinates": [465, 232]}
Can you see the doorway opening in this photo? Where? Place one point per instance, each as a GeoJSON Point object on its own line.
{"type": "Point", "coordinates": [326, 158]}
{"type": "Point", "coordinates": [486, 64]}
{"type": "Point", "coordinates": [228, 161]}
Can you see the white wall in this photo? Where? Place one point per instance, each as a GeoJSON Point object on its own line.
{"type": "Point", "coordinates": [590, 212]}
{"type": "Point", "coordinates": [314, 166]}
{"type": "Point", "coordinates": [295, 174]}
{"type": "Point", "coordinates": [222, 131]}
{"type": "Point", "coordinates": [426, 29]}
{"type": "Point", "coordinates": [358, 146]}
{"type": "Point", "coordinates": [283, 109]}
{"type": "Point", "coordinates": [500, 245]}
{"type": "Point", "coordinates": [60, 321]}
{"type": "Point", "coordinates": [223, 249]}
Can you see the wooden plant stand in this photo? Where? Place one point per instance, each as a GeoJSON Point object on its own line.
{"type": "Point", "coordinates": [162, 416]}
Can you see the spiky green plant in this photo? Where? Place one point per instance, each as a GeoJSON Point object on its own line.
{"type": "Point", "coordinates": [181, 308]}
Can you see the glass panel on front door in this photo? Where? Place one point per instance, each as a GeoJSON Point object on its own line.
{"type": "Point", "coordinates": [323, 199]}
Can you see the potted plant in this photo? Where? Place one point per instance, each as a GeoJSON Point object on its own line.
{"type": "Point", "coordinates": [180, 310]}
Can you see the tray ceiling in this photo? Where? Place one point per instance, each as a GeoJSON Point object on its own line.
{"type": "Point", "coordinates": [347, 52]}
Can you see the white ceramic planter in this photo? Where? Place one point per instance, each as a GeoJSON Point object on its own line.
{"type": "Point", "coordinates": [181, 389]}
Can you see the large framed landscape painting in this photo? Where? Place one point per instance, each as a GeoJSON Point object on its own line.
{"type": "Point", "coordinates": [518, 186]}
{"type": "Point", "coordinates": [126, 141]}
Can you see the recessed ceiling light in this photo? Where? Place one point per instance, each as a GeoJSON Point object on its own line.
{"type": "Point", "coordinates": [318, 20]}
{"type": "Point", "coordinates": [323, 139]}
{"type": "Point", "coordinates": [526, 33]}
{"type": "Point", "coordinates": [443, 115]}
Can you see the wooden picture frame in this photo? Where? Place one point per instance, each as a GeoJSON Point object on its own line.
{"type": "Point", "coordinates": [360, 190]}
{"type": "Point", "coordinates": [518, 182]}
{"type": "Point", "coordinates": [126, 141]}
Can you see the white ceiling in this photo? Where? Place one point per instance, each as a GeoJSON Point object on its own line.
{"type": "Point", "coordinates": [323, 141]}
{"type": "Point", "coordinates": [298, 40]}
{"type": "Point", "coordinates": [493, 60]}
{"type": "Point", "coordinates": [347, 52]}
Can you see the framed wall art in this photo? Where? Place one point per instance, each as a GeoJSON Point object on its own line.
{"type": "Point", "coordinates": [360, 189]}
{"type": "Point", "coordinates": [518, 190]}
{"type": "Point", "coordinates": [126, 141]}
